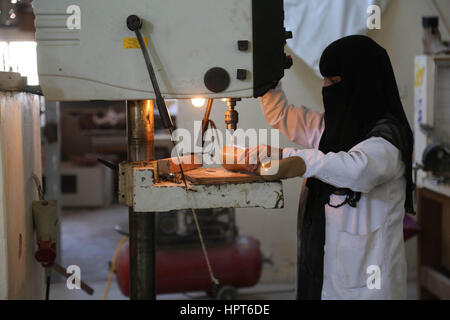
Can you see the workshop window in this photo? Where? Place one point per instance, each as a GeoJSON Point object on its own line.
{"type": "Point", "coordinates": [20, 56]}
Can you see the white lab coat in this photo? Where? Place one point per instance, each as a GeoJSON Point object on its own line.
{"type": "Point", "coordinates": [357, 240]}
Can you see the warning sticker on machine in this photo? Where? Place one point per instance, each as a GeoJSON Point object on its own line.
{"type": "Point", "coordinates": [133, 43]}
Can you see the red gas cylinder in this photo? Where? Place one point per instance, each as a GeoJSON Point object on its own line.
{"type": "Point", "coordinates": [237, 264]}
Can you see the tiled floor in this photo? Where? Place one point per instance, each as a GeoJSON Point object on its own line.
{"type": "Point", "coordinates": [89, 239]}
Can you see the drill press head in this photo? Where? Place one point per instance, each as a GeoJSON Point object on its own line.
{"type": "Point", "coordinates": [88, 50]}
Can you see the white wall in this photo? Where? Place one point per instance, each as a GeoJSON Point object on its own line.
{"type": "Point", "coordinates": [401, 35]}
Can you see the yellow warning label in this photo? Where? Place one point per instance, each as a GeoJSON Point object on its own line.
{"type": "Point", "coordinates": [133, 43]}
{"type": "Point", "coordinates": [420, 72]}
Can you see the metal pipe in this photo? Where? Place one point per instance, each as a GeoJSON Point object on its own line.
{"type": "Point", "coordinates": [52, 133]}
{"type": "Point", "coordinates": [140, 130]}
{"type": "Point", "coordinates": [205, 120]}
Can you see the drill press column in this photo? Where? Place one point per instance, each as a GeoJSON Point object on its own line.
{"type": "Point", "coordinates": [140, 130]}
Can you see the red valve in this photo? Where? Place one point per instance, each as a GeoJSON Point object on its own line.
{"type": "Point", "coordinates": [46, 254]}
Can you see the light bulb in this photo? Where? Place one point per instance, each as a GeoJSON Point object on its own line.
{"type": "Point", "coordinates": [198, 102]}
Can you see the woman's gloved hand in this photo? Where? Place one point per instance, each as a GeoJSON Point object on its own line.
{"type": "Point", "coordinates": [263, 160]}
{"type": "Point", "coordinates": [236, 158]}
{"type": "Point", "coordinates": [262, 154]}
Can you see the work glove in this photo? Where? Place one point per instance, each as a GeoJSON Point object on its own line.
{"type": "Point", "coordinates": [235, 158]}
{"type": "Point", "coordinates": [262, 154]}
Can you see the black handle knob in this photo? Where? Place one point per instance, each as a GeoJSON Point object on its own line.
{"type": "Point", "coordinates": [134, 22]}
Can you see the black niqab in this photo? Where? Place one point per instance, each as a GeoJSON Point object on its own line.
{"type": "Point", "coordinates": [367, 93]}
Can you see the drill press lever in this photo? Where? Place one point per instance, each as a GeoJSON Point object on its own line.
{"type": "Point", "coordinates": [134, 23]}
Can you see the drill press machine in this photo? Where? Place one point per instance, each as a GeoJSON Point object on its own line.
{"type": "Point", "coordinates": [215, 49]}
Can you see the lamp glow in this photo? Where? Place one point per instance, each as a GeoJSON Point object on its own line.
{"type": "Point", "coordinates": [198, 102]}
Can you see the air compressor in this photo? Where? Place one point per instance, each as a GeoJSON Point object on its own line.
{"type": "Point", "coordinates": [237, 265]}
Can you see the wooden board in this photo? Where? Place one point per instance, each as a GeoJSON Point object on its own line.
{"type": "Point", "coordinates": [21, 276]}
{"type": "Point", "coordinates": [171, 165]}
{"type": "Point", "coordinates": [433, 244]}
{"type": "Point", "coordinates": [435, 282]}
{"type": "Point", "coordinates": [220, 176]}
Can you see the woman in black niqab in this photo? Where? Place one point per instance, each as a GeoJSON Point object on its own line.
{"type": "Point", "coordinates": [364, 104]}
